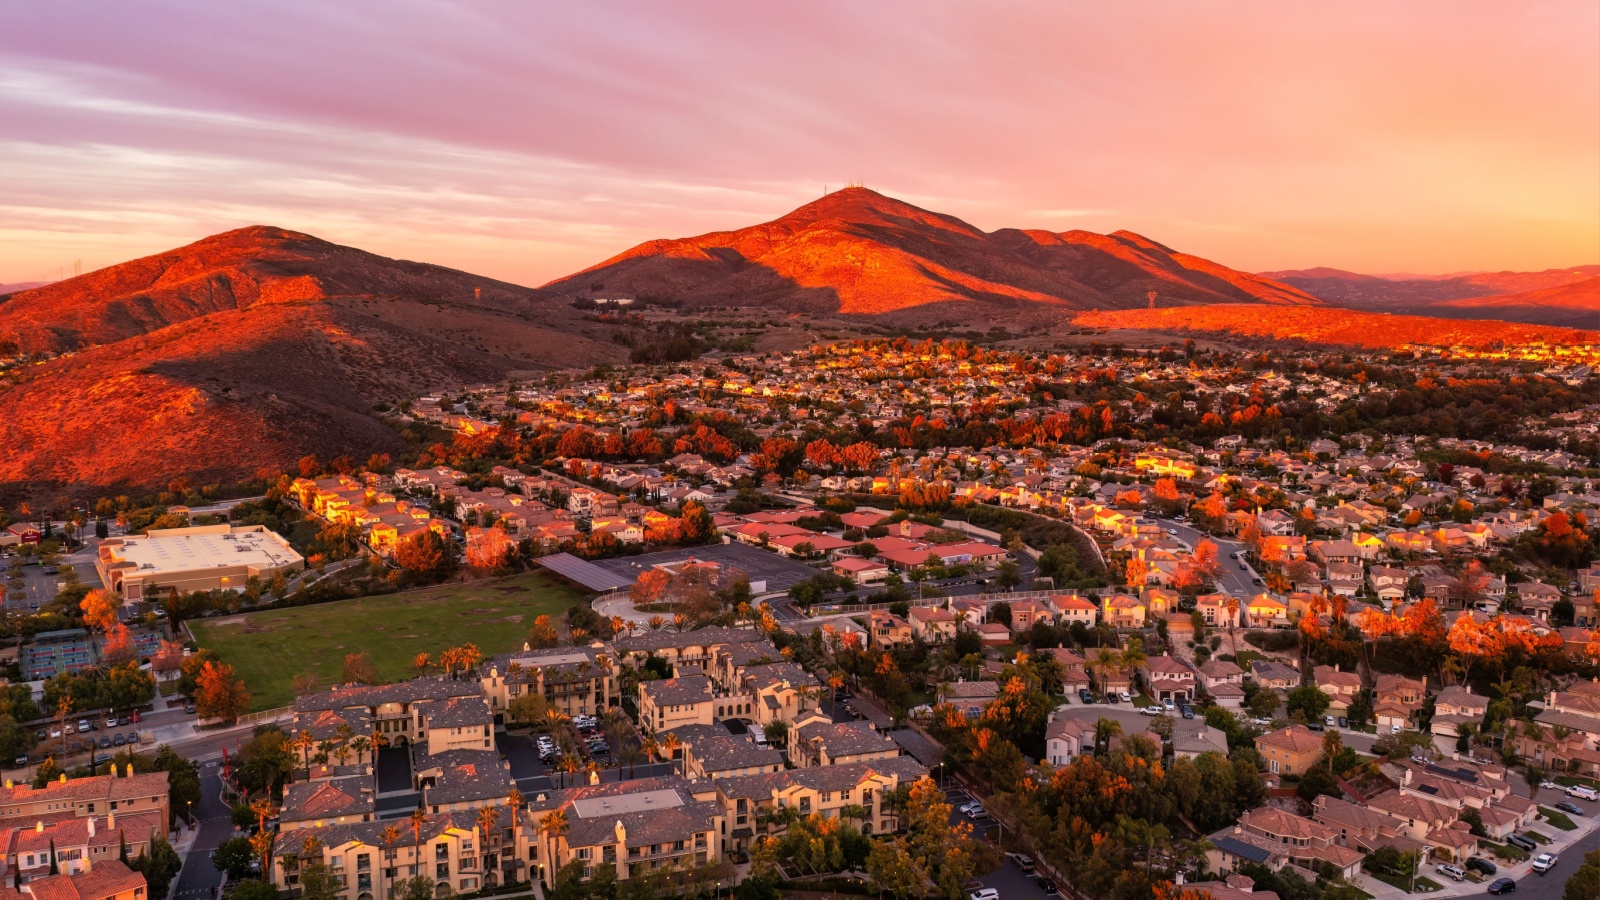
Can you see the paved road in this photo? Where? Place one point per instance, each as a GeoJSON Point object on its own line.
{"type": "Point", "coordinates": [1234, 580]}
{"type": "Point", "coordinates": [199, 877]}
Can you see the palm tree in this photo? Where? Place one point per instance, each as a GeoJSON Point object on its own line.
{"type": "Point", "coordinates": [554, 825]}
{"type": "Point", "coordinates": [650, 748]}
{"type": "Point", "coordinates": [343, 734]}
{"type": "Point", "coordinates": [361, 744]}
{"type": "Point", "coordinates": [1332, 743]}
{"type": "Point", "coordinates": [489, 825]}
{"type": "Point", "coordinates": [1104, 731]}
{"type": "Point", "coordinates": [391, 836]}
{"type": "Point", "coordinates": [629, 756]}
{"type": "Point", "coordinates": [569, 767]}
{"type": "Point", "coordinates": [304, 742]}
{"type": "Point", "coordinates": [1231, 604]}
{"type": "Point", "coordinates": [262, 808]}
{"type": "Point", "coordinates": [422, 662]}
{"type": "Point", "coordinates": [418, 819]}
{"type": "Point", "coordinates": [515, 800]}
{"type": "Point", "coordinates": [669, 746]}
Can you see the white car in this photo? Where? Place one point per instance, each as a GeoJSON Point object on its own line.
{"type": "Point", "coordinates": [984, 894]}
{"type": "Point", "coordinates": [976, 811]}
{"type": "Point", "coordinates": [1455, 872]}
{"type": "Point", "coordinates": [1544, 862]}
{"type": "Point", "coordinates": [1583, 792]}
{"type": "Point", "coordinates": [1123, 696]}
{"type": "Point", "coordinates": [1149, 710]}
{"type": "Point", "coordinates": [1169, 705]}
{"type": "Point", "coordinates": [1549, 785]}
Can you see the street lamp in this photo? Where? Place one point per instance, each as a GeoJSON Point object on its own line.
{"type": "Point", "coordinates": [188, 812]}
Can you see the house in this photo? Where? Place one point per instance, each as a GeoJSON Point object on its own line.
{"type": "Point", "coordinates": [1223, 681]}
{"type": "Point", "coordinates": [1340, 686]}
{"type": "Point", "coordinates": [1396, 700]}
{"type": "Point", "coordinates": [932, 624]}
{"type": "Point", "coordinates": [1024, 613]}
{"type": "Point", "coordinates": [108, 880]}
{"type": "Point", "coordinates": [970, 697]}
{"type": "Point", "coordinates": [1122, 611]}
{"type": "Point", "coordinates": [1071, 608]}
{"type": "Point", "coordinates": [1266, 611]}
{"type": "Point", "coordinates": [1218, 610]}
{"type": "Point", "coordinates": [1456, 706]}
{"type": "Point", "coordinates": [1192, 737]}
{"type": "Point", "coordinates": [861, 571]}
{"type": "Point", "coordinates": [1306, 842]}
{"type": "Point", "coordinates": [886, 630]}
{"type": "Point", "coordinates": [1168, 679]}
{"type": "Point", "coordinates": [1290, 751]}
{"type": "Point", "coordinates": [1274, 676]}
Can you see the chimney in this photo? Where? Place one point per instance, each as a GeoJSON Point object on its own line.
{"type": "Point", "coordinates": [594, 776]}
{"type": "Point", "coordinates": [111, 821]}
{"type": "Point", "coordinates": [91, 826]}
{"type": "Point", "coordinates": [38, 827]}
{"type": "Point", "coordinates": [130, 770]}
{"type": "Point", "coordinates": [63, 778]}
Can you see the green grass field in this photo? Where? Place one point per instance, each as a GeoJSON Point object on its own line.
{"type": "Point", "coordinates": [269, 648]}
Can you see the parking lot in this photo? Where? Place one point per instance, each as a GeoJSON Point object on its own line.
{"type": "Point", "coordinates": [1010, 880]}
{"type": "Point", "coordinates": [778, 572]}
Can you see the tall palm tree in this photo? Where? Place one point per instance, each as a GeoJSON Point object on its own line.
{"type": "Point", "coordinates": [629, 756]}
{"type": "Point", "coordinates": [391, 836]}
{"type": "Point", "coordinates": [304, 742]}
{"type": "Point", "coordinates": [418, 819]}
{"type": "Point", "coordinates": [669, 746]}
{"type": "Point", "coordinates": [360, 744]}
{"type": "Point", "coordinates": [569, 767]}
{"type": "Point", "coordinates": [1104, 731]}
{"type": "Point", "coordinates": [554, 825]}
{"type": "Point", "coordinates": [1231, 604]}
{"type": "Point", "coordinates": [489, 826]}
{"type": "Point", "coordinates": [422, 662]}
{"type": "Point", "coordinates": [650, 748]}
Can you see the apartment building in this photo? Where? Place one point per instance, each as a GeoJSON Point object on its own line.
{"type": "Point", "coordinates": [632, 826]}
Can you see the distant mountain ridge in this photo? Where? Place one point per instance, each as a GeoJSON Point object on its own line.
{"type": "Point", "coordinates": [1334, 327]}
{"type": "Point", "coordinates": [857, 252]}
{"type": "Point", "coordinates": [1563, 297]}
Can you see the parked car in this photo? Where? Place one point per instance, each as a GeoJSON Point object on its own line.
{"type": "Point", "coordinates": [1046, 885]}
{"type": "Point", "coordinates": [1124, 697]}
{"type": "Point", "coordinates": [1544, 862]}
{"type": "Point", "coordinates": [189, 708]}
{"type": "Point", "coordinates": [1583, 792]}
{"type": "Point", "coordinates": [1455, 872]}
{"type": "Point", "coordinates": [111, 721]}
{"type": "Point", "coordinates": [116, 741]}
{"type": "Point", "coordinates": [1522, 841]}
{"type": "Point", "coordinates": [1567, 806]}
{"type": "Point", "coordinates": [106, 743]}
{"type": "Point", "coordinates": [83, 725]}
{"type": "Point", "coordinates": [1550, 785]}
{"type": "Point", "coordinates": [1149, 710]}
{"type": "Point", "coordinates": [1482, 865]}
{"type": "Point", "coordinates": [1168, 705]}
{"type": "Point", "coordinates": [1085, 696]}
{"type": "Point", "coordinates": [1316, 726]}
{"type": "Point", "coordinates": [1023, 861]}
{"type": "Point", "coordinates": [984, 894]}
{"type": "Point", "coordinates": [1502, 886]}
{"type": "Point", "coordinates": [1187, 711]}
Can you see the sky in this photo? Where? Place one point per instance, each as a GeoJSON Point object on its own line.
{"type": "Point", "coordinates": [527, 140]}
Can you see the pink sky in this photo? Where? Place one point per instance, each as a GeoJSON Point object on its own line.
{"type": "Point", "coordinates": [528, 140]}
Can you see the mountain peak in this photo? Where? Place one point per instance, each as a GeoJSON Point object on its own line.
{"type": "Point", "coordinates": [857, 251]}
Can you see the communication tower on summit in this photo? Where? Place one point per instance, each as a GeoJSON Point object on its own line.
{"type": "Point", "coordinates": [1152, 296]}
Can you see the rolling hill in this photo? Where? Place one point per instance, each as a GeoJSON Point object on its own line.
{"type": "Point", "coordinates": [1332, 327]}
{"type": "Point", "coordinates": [1565, 297]}
{"type": "Point", "coordinates": [247, 350]}
{"type": "Point", "coordinates": [857, 252]}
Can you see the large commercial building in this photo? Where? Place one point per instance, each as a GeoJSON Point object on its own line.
{"type": "Point", "coordinates": [201, 558]}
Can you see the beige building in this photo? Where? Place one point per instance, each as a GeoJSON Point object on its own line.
{"type": "Point", "coordinates": [201, 558]}
{"type": "Point", "coordinates": [674, 702]}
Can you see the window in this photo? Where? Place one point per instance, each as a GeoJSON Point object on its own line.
{"type": "Point", "coordinates": [363, 862]}
{"type": "Point", "coordinates": [441, 851]}
{"type": "Point", "coordinates": [441, 870]}
{"type": "Point", "coordinates": [585, 853]}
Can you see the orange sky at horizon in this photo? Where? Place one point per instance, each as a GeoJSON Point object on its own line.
{"type": "Point", "coordinates": [528, 141]}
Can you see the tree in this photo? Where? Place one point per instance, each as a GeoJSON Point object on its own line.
{"type": "Point", "coordinates": [220, 693]}
{"type": "Point", "coordinates": [1307, 702]}
{"type": "Point", "coordinates": [1264, 703]}
{"type": "Point", "coordinates": [358, 669]}
{"type": "Point", "coordinates": [159, 865]}
{"type": "Point", "coordinates": [1584, 884]}
{"type": "Point", "coordinates": [233, 857]}
{"type": "Point", "coordinates": [426, 556]}
{"type": "Point", "coordinates": [894, 871]}
{"type": "Point", "coordinates": [528, 708]}
{"type": "Point", "coordinates": [489, 548]}
{"type": "Point", "coordinates": [252, 889]}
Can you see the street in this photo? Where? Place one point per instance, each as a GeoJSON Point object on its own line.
{"type": "Point", "coordinates": [199, 877]}
{"type": "Point", "coordinates": [1240, 582]}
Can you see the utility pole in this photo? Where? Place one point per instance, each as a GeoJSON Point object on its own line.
{"type": "Point", "coordinates": [1152, 296]}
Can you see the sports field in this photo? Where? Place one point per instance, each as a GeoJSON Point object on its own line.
{"type": "Point", "coordinates": [269, 648]}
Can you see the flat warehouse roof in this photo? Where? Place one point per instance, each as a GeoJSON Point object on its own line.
{"type": "Point", "coordinates": [195, 549]}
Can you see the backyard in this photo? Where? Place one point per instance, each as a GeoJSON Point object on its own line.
{"type": "Point", "coordinates": [269, 648]}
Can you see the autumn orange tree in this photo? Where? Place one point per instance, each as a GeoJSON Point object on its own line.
{"type": "Point", "coordinates": [220, 693]}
